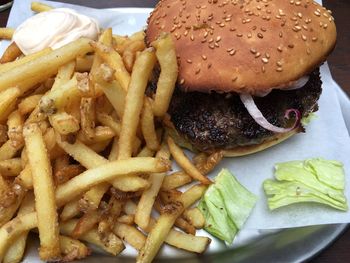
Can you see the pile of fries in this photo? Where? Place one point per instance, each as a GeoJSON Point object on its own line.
{"type": "Point", "coordinates": [84, 154]}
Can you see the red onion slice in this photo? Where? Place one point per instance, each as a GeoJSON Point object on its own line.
{"type": "Point", "coordinates": [256, 114]}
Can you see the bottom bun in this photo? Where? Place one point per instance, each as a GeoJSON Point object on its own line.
{"type": "Point", "coordinates": [250, 149]}
{"type": "Point", "coordinates": [240, 150]}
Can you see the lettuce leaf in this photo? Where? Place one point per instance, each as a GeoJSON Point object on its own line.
{"type": "Point", "coordinates": [314, 180]}
{"type": "Point", "coordinates": [226, 205]}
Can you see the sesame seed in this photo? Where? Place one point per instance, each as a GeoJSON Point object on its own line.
{"type": "Point", "coordinates": [182, 81]}
{"type": "Point", "coordinates": [279, 63]}
{"type": "Point", "coordinates": [260, 35]}
{"type": "Point", "coordinates": [239, 35]}
{"type": "Point", "coordinates": [229, 49]}
{"type": "Point", "coordinates": [291, 46]}
{"type": "Point", "coordinates": [206, 34]}
{"type": "Point", "coordinates": [281, 34]}
{"type": "Point", "coordinates": [265, 60]}
{"type": "Point", "coordinates": [300, 15]}
{"type": "Point", "coordinates": [267, 55]}
{"type": "Point", "coordinates": [210, 40]}
{"type": "Point", "coordinates": [203, 40]}
{"type": "Point", "coordinates": [197, 71]}
{"type": "Point", "coordinates": [189, 61]}
{"type": "Point", "coordinates": [192, 37]}
{"type": "Point", "coordinates": [234, 79]}
{"type": "Point", "coordinates": [305, 27]}
{"type": "Point", "coordinates": [204, 57]}
{"type": "Point", "coordinates": [218, 39]}
{"type": "Point", "coordinates": [317, 13]}
{"type": "Point", "coordinates": [303, 37]}
{"type": "Point", "coordinates": [280, 49]}
{"type": "Point", "coordinates": [222, 25]}
{"type": "Point", "coordinates": [216, 44]}
{"type": "Point", "coordinates": [263, 29]}
{"type": "Point", "coordinates": [279, 69]}
{"type": "Point", "coordinates": [314, 39]}
{"type": "Point", "coordinates": [308, 51]}
{"type": "Point", "coordinates": [186, 33]}
{"type": "Point", "coordinates": [232, 52]}
{"type": "Point", "coordinates": [228, 19]}
{"type": "Point", "coordinates": [211, 46]}
{"type": "Point", "coordinates": [263, 69]}
{"type": "Point", "coordinates": [253, 51]}
{"type": "Point", "coordinates": [257, 54]}
{"type": "Point", "coordinates": [232, 29]}
{"type": "Point", "coordinates": [325, 26]}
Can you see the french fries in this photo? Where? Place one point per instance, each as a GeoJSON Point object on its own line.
{"type": "Point", "coordinates": [45, 205]}
{"type": "Point", "coordinates": [40, 7]}
{"type": "Point", "coordinates": [14, 228]}
{"type": "Point", "coordinates": [165, 53]}
{"type": "Point", "coordinates": [77, 185]}
{"type": "Point", "coordinates": [84, 109]}
{"type": "Point", "coordinates": [6, 33]}
{"type": "Point", "coordinates": [29, 74]}
{"type": "Point", "coordinates": [134, 100]}
{"type": "Point", "coordinates": [147, 126]}
{"type": "Point", "coordinates": [176, 180]}
{"type": "Point", "coordinates": [165, 222]}
{"type": "Point", "coordinates": [11, 53]}
{"type": "Point", "coordinates": [185, 163]}
{"type": "Point", "coordinates": [16, 250]}
{"type": "Point", "coordinates": [115, 61]}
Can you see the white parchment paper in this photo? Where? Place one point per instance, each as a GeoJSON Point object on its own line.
{"type": "Point", "coordinates": [326, 136]}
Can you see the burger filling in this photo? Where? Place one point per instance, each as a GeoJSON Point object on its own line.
{"type": "Point", "coordinates": [221, 121]}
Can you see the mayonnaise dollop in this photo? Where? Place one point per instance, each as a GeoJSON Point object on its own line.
{"type": "Point", "coordinates": [54, 28]}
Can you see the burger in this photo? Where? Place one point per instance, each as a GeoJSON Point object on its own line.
{"type": "Point", "coordinates": [248, 69]}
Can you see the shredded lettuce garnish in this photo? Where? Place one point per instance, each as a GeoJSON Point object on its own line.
{"type": "Point", "coordinates": [314, 180]}
{"type": "Point", "coordinates": [226, 205]}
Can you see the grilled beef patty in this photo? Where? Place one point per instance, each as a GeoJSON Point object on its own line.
{"type": "Point", "coordinates": [220, 121]}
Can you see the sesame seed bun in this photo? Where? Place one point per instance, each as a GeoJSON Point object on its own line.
{"type": "Point", "coordinates": [227, 46]}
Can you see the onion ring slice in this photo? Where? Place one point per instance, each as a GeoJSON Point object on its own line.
{"type": "Point", "coordinates": [259, 118]}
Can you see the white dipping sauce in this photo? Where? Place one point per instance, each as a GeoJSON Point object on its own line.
{"type": "Point", "coordinates": [54, 28]}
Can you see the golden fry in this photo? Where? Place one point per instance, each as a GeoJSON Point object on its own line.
{"type": "Point", "coordinates": [147, 125]}
{"type": "Point", "coordinates": [29, 74]}
{"type": "Point", "coordinates": [176, 180]}
{"type": "Point", "coordinates": [87, 112]}
{"type": "Point", "coordinates": [107, 172]}
{"type": "Point", "coordinates": [19, 225]}
{"type": "Point", "coordinates": [40, 7]}
{"type": "Point", "coordinates": [165, 52]}
{"type": "Point", "coordinates": [11, 53]}
{"type": "Point", "coordinates": [11, 65]}
{"type": "Point", "coordinates": [44, 192]}
{"type": "Point", "coordinates": [11, 167]}
{"type": "Point", "coordinates": [130, 234]}
{"type": "Point", "coordinates": [134, 100]}
{"type": "Point", "coordinates": [111, 244]}
{"type": "Point", "coordinates": [165, 222]}
{"type": "Point", "coordinates": [115, 61]}
{"type": "Point", "coordinates": [64, 123]}
{"type": "Point", "coordinates": [6, 33]}
{"type": "Point", "coordinates": [72, 249]}
{"type": "Point", "coordinates": [130, 51]}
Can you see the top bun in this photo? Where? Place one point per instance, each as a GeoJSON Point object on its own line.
{"type": "Point", "coordinates": [244, 46]}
